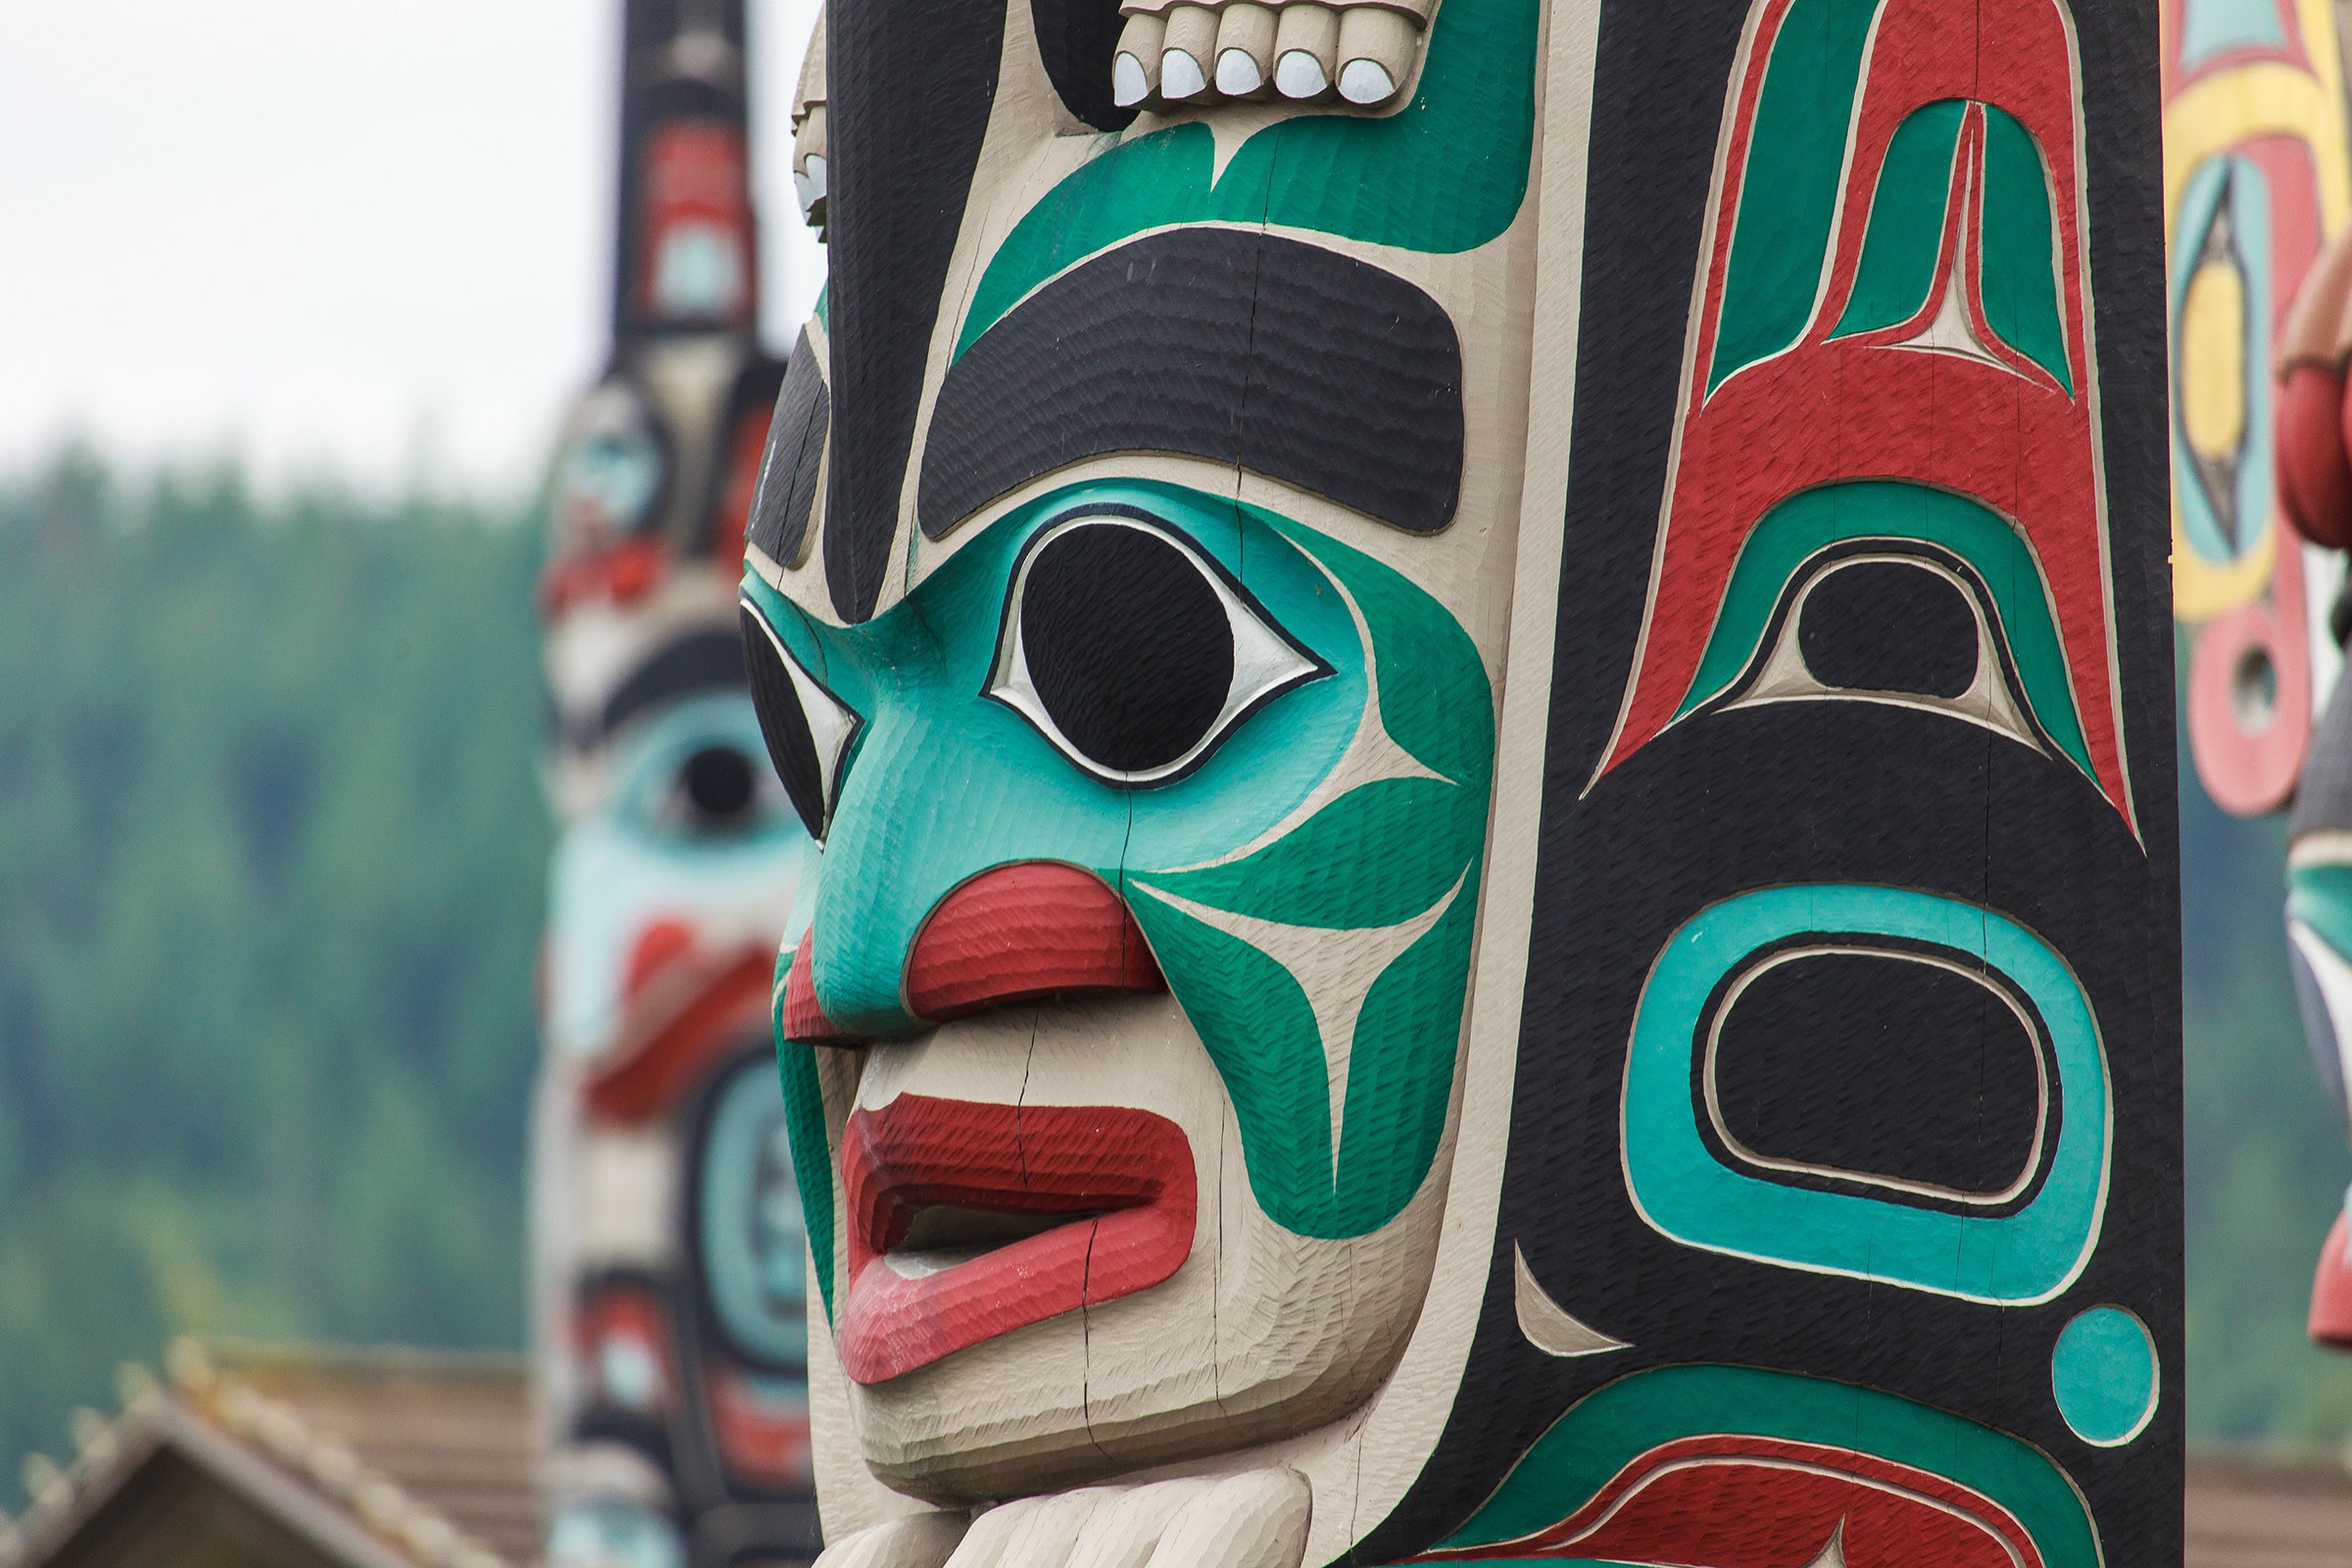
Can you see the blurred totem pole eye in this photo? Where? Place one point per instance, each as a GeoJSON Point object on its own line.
{"type": "Point", "coordinates": [669, 1268]}
{"type": "Point", "coordinates": [1487, 688]}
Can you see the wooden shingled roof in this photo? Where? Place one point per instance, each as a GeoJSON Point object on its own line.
{"type": "Point", "coordinates": [269, 1456]}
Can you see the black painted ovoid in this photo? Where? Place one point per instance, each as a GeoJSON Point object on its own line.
{"type": "Point", "coordinates": [1887, 627]}
{"type": "Point", "coordinates": [784, 726]}
{"type": "Point", "coordinates": [1882, 1066]}
{"type": "Point", "coordinates": [796, 450]}
{"type": "Point", "coordinates": [1127, 645]}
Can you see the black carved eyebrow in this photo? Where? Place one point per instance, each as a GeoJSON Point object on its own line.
{"type": "Point", "coordinates": [796, 447]}
{"type": "Point", "coordinates": [1232, 345]}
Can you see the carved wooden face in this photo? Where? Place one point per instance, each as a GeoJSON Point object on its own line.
{"type": "Point", "coordinates": [1176, 570]}
{"type": "Point", "coordinates": [1126, 592]}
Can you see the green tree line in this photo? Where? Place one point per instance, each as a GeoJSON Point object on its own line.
{"type": "Point", "coordinates": [271, 858]}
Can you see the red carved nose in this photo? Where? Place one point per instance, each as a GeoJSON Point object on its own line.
{"type": "Point", "coordinates": [805, 1022]}
{"type": "Point", "coordinates": [1016, 933]}
{"type": "Point", "coordinates": [1021, 933]}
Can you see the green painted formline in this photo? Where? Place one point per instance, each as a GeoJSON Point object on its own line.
{"type": "Point", "coordinates": [1905, 236]}
{"type": "Point", "coordinates": [1792, 532]}
{"type": "Point", "coordinates": [1445, 174]}
{"type": "Point", "coordinates": [1789, 185]}
{"type": "Point", "coordinates": [2017, 258]}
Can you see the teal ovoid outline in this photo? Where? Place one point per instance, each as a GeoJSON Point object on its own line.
{"type": "Point", "coordinates": [2241, 181]}
{"type": "Point", "coordinates": [2105, 1376]}
{"type": "Point", "coordinates": [1683, 1192]}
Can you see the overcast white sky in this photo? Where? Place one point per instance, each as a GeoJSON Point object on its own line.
{"type": "Point", "coordinates": [366, 237]}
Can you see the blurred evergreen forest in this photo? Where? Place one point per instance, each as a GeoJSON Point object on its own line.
{"type": "Point", "coordinates": [272, 859]}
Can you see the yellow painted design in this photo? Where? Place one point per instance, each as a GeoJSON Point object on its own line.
{"type": "Point", "coordinates": [2203, 589]}
{"type": "Point", "coordinates": [2212, 349]}
{"type": "Point", "coordinates": [2217, 114]}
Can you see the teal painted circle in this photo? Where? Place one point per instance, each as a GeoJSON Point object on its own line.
{"type": "Point", "coordinates": [2103, 1371]}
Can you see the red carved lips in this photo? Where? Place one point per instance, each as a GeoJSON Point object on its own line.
{"type": "Point", "coordinates": [967, 1220]}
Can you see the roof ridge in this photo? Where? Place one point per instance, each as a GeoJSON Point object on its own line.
{"type": "Point", "coordinates": [322, 1461]}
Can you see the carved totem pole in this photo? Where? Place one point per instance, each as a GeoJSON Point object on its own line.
{"type": "Point", "coordinates": [1495, 773]}
{"type": "Point", "coordinates": [671, 1263]}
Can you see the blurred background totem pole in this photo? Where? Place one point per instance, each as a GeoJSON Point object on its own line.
{"type": "Point", "coordinates": [2257, 194]}
{"type": "Point", "coordinates": [669, 1253]}
{"type": "Point", "coordinates": [2255, 182]}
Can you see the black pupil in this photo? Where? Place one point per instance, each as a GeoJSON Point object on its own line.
{"type": "Point", "coordinates": [1886, 627]}
{"type": "Point", "coordinates": [719, 786]}
{"type": "Point", "coordinates": [782, 724]}
{"type": "Point", "coordinates": [1128, 644]}
{"type": "Point", "coordinates": [1882, 1066]}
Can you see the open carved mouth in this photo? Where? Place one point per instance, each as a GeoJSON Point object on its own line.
{"type": "Point", "coordinates": [968, 1219]}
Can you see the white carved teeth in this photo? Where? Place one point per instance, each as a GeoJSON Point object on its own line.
{"type": "Point", "coordinates": [1191, 40]}
{"type": "Point", "coordinates": [1306, 46]}
{"type": "Point", "coordinates": [1130, 82]}
{"type": "Point", "coordinates": [1364, 81]}
{"type": "Point", "coordinates": [1245, 48]}
{"type": "Point", "coordinates": [1376, 53]}
{"type": "Point", "coordinates": [1180, 54]}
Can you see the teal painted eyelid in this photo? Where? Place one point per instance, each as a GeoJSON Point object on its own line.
{"type": "Point", "coordinates": [1683, 1192]}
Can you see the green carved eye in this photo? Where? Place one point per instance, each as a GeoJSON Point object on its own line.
{"type": "Point", "coordinates": [1132, 651]}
